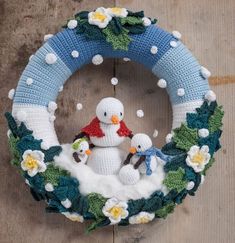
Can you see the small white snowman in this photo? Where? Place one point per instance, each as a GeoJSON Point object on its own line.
{"type": "Point", "coordinates": [143, 157]}
{"type": "Point", "coordinates": [106, 132]}
{"type": "Point", "coordinates": [81, 150]}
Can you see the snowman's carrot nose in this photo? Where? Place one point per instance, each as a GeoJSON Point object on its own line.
{"type": "Point", "coordinates": [133, 150]}
{"type": "Point", "coordinates": [88, 151]}
{"type": "Point", "coordinates": [115, 119]}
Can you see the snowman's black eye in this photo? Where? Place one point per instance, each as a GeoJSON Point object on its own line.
{"type": "Point", "coordinates": [139, 146]}
{"type": "Point", "coordinates": [105, 114]}
{"type": "Point", "coordinates": [81, 151]}
{"type": "Point", "coordinates": [120, 113]}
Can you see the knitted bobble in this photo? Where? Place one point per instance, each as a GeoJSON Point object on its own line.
{"type": "Point", "coordinates": [79, 106]}
{"type": "Point", "coordinates": [176, 34]}
{"type": "Point", "coordinates": [126, 59]}
{"type": "Point", "coordinates": [75, 54]}
{"type": "Point", "coordinates": [66, 203]}
{"type": "Point", "coordinates": [47, 37]}
{"type": "Point", "coordinates": [27, 182]}
{"type": "Point", "coordinates": [190, 185]}
{"type": "Point", "coordinates": [114, 81]}
{"type": "Point", "coordinates": [8, 133]}
{"type": "Point", "coordinates": [11, 94]}
{"type": "Point", "coordinates": [44, 145]}
{"type": "Point", "coordinates": [155, 133]}
{"type": "Point", "coordinates": [50, 58]}
{"type": "Point", "coordinates": [180, 92]}
{"type": "Point", "coordinates": [52, 118]}
{"type": "Point", "coordinates": [61, 88]}
{"type": "Point", "coordinates": [146, 21]}
{"type": "Point", "coordinates": [154, 50]}
{"type": "Point", "coordinates": [205, 72]}
{"type": "Point", "coordinates": [173, 44]}
{"type": "Point", "coordinates": [72, 24]}
{"type": "Point", "coordinates": [140, 113]}
{"type": "Point", "coordinates": [21, 116]}
{"type": "Point", "coordinates": [162, 83]}
{"type": "Point", "coordinates": [52, 106]}
{"type": "Point", "coordinates": [49, 187]}
{"type": "Point", "coordinates": [210, 96]}
{"type": "Point", "coordinates": [29, 81]}
{"type": "Point", "coordinates": [169, 137]}
{"type": "Point", "coordinates": [97, 59]}
{"type": "Point", "coordinates": [203, 133]}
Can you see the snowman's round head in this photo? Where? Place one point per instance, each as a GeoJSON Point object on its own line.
{"type": "Point", "coordinates": [140, 143]}
{"type": "Point", "coordinates": [81, 146]}
{"type": "Point", "coordinates": [110, 110]}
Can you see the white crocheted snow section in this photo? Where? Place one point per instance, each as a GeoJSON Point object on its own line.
{"type": "Point", "coordinates": [37, 119]}
{"type": "Point", "coordinates": [109, 185]}
{"type": "Point", "coordinates": [180, 110]}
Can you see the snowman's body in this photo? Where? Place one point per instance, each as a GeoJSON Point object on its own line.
{"type": "Point", "coordinates": [142, 168]}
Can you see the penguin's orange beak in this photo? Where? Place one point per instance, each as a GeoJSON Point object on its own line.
{"type": "Point", "coordinates": [115, 119]}
{"type": "Point", "coordinates": [133, 150]}
{"type": "Point", "coordinates": [88, 151]}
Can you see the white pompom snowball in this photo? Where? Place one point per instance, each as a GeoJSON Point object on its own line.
{"type": "Point", "coordinates": [49, 187]}
{"type": "Point", "coordinates": [50, 58]}
{"type": "Point", "coordinates": [180, 92]}
{"type": "Point", "coordinates": [155, 133]}
{"type": "Point", "coordinates": [79, 106]}
{"type": "Point", "coordinates": [72, 24]}
{"type": "Point", "coordinates": [140, 113]}
{"type": "Point", "coordinates": [203, 133]}
{"type": "Point", "coordinates": [61, 88]}
{"type": "Point", "coordinates": [66, 203]}
{"type": "Point", "coordinates": [126, 59]}
{"type": "Point", "coordinates": [11, 94]}
{"type": "Point", "coordinates": [27, 182]}
{"type": "Point", "coordinates": [47, 37]}
{"type": "Point", "coordinates": [52, 118]}
{"type": "Point", "coordinates": [75, 54]}
{"type": "Point", "coordinates": [128, 175]}
{"type": "Point", "coordinates": [162, 83]}
{"type": "Point", "coordinates": [52, 106]}
{"type": "Point", "coordinates": [176, 34]}
{"type": "Point", "coordinates": [146, 21]}
{"type": "Point", "coordinates": [190, 185]}
{"type": "Point", "coordinates": [169, 137]}
{"type": "Point", "coordinates": [21, 116]}
{"type": "Point", "coordinates": [173, 44]}
{"type": "Point", "coordinates": [114, 81]}
{"type": "Point", "coordinates": [8, 133]}
{"type": "Point", "coordinates": [210, 96]}
{"type": "Point", "coordinates": [205, 72]}
{"type": "Point", "coordinates": [44, 145]}
{"type": "Point", "coordinates": [154, 50]}
{"type": "Point", "coordinates": [29, 81]}
{"type": "Point", "coordinates": [97, 59]}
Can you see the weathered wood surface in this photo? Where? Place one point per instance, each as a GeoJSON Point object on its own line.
{"type": "Point", "coordinates": [208, 30]}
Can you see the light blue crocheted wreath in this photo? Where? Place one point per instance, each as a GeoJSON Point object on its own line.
{"type": "Point", "coordinates": [90, 37]}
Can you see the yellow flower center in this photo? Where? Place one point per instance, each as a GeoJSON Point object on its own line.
{"type": "Point", "coordinates": [143, 220]}
{"type": "Point", "coordinates": [198, 158]}
{"type": "Point", "coordinates": [31, 162]}
{"type": "Point", "coordinates": [116, 10]}
{"type": "Point", "coordinates": [116, 212]}
{"type": "Point", "coordinates": [99, 16]}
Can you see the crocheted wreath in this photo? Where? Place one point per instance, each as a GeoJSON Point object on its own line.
{"type": "Point", "coordinates": [92, 178]}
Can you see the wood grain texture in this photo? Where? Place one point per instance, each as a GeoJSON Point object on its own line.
{"type": "Point", "coordinates": [208, 30]}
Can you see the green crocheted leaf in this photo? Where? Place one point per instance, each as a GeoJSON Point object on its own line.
{"type": "Point", "coordinates": [51, 153]}
{"type": "Point", "coordinates": [176, 162]}
{"type": "Point", "coordinates": [98, 223]}
{"type": "Point", "coordinates": [118, 42]}
{"type": "Point", "coordinates": [91, 32]}
{"type": "Point", "coordinates": [215, 121]}
{"type": "Point", "coordinates": [96, 203]}
{"type": "Point", "coordinates": [82, 15]}
{"type": "Point", "coordinates": [11, 123]}
{"type": "Point", "coordinates": [131, 20]}
{"type": "Point", "coordinates": [211, 162]}
{"type": "Point", "coordinates": [164, 211]}
{"type": "Point", "coordinates": [52, 174]}
{"type": "Point", "coordinates": [185, 137]}
{"type": "Point", "coordinates": [135, 206]}
{"type": "Point", "coordinates": [139, 14]}
{"type": "Point", "coordinates": [175, 180]}
{"type": "Point", "coordinates": [152, 204]}
{"type": "Point", "coordinates": [135, 29]}
{"type": "Point", "coordinates": [28, 142]}
{"type": "Point", "coordinates": [116, 26]}
{"type": "Point", "coordinates": [13, 148]}
{"type": "Point", "coordinates": [23, 130]}
{"type": "Point", "coordinates": [170, 149]}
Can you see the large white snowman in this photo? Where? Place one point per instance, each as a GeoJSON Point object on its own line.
{"type": "Point", "coordinates": [106, 132]}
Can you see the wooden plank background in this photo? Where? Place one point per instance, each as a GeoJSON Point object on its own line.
{"type": "Point", "coordinates": [208, 30]}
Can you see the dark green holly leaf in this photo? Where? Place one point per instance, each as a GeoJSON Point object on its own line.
{"type": "Point", "coordinates": [51, 153]}
{"type": "Point", "coordinates": [82, 15]}
{"type": "Point", "coordinates": [135, 29]}
{"type": "Point", "coordinates": [23, 131]}
{"type": "Point", "coordinates": [139, 14]}
{"type": "Point", "coordinates": [115, 25]}
{"type": "Point", "coordinates": [176, 162]}
{"type": "Point", "coordinates": [135, 206]}
{"type": "Point", "coordinates": [11, 123]}
{"type": "Point", "coordinates": [171, 149]}
{"type": "Point", "coordinates": [28, 142]}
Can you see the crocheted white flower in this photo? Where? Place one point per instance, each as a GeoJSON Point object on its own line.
{"type": "Point", "coordinates": [117, 12]}
{"type": "Point", "coordinates": [141, 218]}
{"type": "Point", "coordinates": [75, 217]}
{"type": "Point", "coordinates": [33, 162]}
{"type": "Point", "coordinates": [115, 210]}
{"type": "Point", "coordinates": [100, 18]}
{"type": "Point", "coordinates": [198, 157]}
